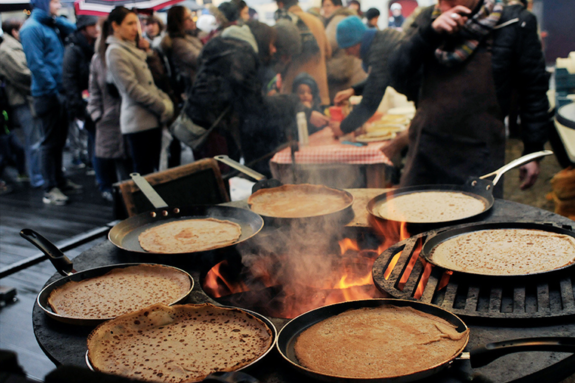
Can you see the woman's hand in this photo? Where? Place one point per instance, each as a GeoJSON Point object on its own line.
{"type": "Point", "coordinates": [144, 44]}
{"type": "Point", "coordinates": [451, 21]}
{"type": "Point", "coordinates": [335, 128]}
{"type": "Point", "coordinates": [318, 120]}
{"type": "Point", "coordinates": [528, 174]}
{"type": "Point", "coordinates": [343, 95]}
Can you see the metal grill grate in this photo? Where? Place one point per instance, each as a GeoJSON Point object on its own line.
{"type": "Point", "coordinates": [544, 296]}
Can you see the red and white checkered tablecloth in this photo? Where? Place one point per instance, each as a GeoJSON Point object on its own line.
{"type": "Point", "coordinates": [324, 148]}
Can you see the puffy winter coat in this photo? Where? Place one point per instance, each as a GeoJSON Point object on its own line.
{"type": "Point", "coordinates": [14, 70]}
{"type": "Point", "coordinates": [517, 64]}
{"type": "Point", "coordinates": [41, 37]}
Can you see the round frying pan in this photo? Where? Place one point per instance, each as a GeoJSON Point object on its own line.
{"type": "Point", "coordinates": [479, 188]}
{"type": "Point", "coordinates": [436, 240]}
{"type": "Point", "coordinates": [125, 234]}
{"type": "Point", "coordinates": [478, 357]}
{"type": "Point", "coordinates": [264, 319]}
{"type": "Point", "coordinates": [264, 183]}
{"type": "Point", "coordinates": [66, 268]}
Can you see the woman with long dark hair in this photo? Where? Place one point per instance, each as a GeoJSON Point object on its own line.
{"type": "Point", "coordinates": [181, 44]}
{"type": "Point", "coordinates": [111, 161]}
{"type": "Point", "coordinates": [144, 107]}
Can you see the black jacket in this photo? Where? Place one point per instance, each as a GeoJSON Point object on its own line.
{"type": "Point", "coordinates": [517, 61]}
{"type": "Point", "coordinates": [228, 75]}
{"type": "Point", "coordinates": [379, 78]}
{"type": "Point", "coordinates": [76, 73]}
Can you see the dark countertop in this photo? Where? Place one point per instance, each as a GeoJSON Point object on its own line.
{"type": "Point", "coordinates": [66, 344]}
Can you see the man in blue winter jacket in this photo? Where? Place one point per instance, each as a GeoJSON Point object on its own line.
{"type": "Point", "coordinates": [42, 40]}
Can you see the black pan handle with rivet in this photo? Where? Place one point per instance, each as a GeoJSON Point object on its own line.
{"type": "Point", "coordinates": [55, 255]}
{"type": "Point", "coordinates": [482, 356]}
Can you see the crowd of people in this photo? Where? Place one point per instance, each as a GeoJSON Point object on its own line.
{"type": "Point", "coordinates": [115, 88]}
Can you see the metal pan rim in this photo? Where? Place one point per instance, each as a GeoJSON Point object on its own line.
{"type": "Point", "coordinates": [407, 302]}
{"type": "Point", "coordinates": [118, 245]}
{"type": "Point", "coordinates": [259, 316]}
{"type": "Point", "coordinates": [428, 247]}
{"type": "Point", "coordinates": [95, 321]}
{"type": "Point", "coordinates": [373, 203]}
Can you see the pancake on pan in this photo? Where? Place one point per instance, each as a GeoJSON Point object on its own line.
{"type": "Point", "coordinates": [505, 252]}
{"type": "Point", "coordinates": [120, 291]}
{"type": "Point", "coordinates": [182, 343]}
{"type": "Point", "coordinates": [381, 342]}
{"type": "Point", "coordinates": [189, 235]}
{"type": "Point", "coordinates": [298, 201]}
{"type": "Point", "coordinates": [431, 206]}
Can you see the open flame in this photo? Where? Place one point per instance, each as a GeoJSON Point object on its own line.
{"type": "Point", "coordinates": [297, 281]}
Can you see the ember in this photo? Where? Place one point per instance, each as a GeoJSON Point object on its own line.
{"type": "Point", "coordinates": [310, 272]}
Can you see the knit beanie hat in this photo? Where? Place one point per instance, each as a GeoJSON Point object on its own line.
{"type": "Point", "coordinates": [350, 32]}
{"type": "Point", "coordinates": [84, 21]}
{"type": "Point", "coordinates": [243, 33]}
{"type": "Point", "coordinates": [305, 78]}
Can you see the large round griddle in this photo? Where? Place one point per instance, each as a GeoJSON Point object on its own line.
{"type": "Point", "coordinates": [125, 234]}
{"type": "Point", "coordinates": [478, 188]}
{"type": "Point", "coordinates": [438, 239]}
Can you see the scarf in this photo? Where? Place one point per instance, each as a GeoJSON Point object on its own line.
{"type": "Point", "coordinates": [472, 32]}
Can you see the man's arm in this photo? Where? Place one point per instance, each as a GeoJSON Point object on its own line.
{"type": "Point", "coordinates": [532, 83]}
{"type": "Point", "coordinates": [33, 48]}
{"type": "Point", "coordinates": [377, 82]}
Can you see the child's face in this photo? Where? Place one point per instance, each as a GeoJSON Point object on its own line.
{"type": "Point", "coordinates": [305, 95]}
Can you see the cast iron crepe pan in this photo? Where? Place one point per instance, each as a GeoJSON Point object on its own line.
{"type": "Point", "coordinates": [263, 183]}
{"type": "Point", "coordinates": [125, 234]}
{"type": "Point", "coordinates": [480, 188]}
{"type": "Point", "coordinates": [264, 319]}
{"type": "Point", "coordinates": [439, 238]}
{"type": "Point", "coordinates": [66, 268]}
{"type": "Point", "coordinates": [478, 357]}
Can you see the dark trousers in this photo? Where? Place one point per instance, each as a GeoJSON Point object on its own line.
{"type": "Point", "coordinates": [111, 170]}
{"type": "Point", "coordinates": [51, 110]}
{"type": "Point", "coordinates": [145, 148]}
{"type": "Point", "coordinates": [12, 153]}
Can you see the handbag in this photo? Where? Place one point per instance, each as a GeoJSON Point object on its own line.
{"type": "Point", "coordinates": [190, 133]}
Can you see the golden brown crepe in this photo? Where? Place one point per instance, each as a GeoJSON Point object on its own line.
{"type": "Point", "coordinates": [120, 291]}
{"type": "Point", "coordinates": [182, 343]}
{"type": "Point", "coordinates": [298, 201]}
{"type": "Point", "coordinates": [505, 252]}
{"type": "Point", "coordinates": [431, 206]}
{"type": "Point", "coordinates": [190, 235]}
{"type": "Point", "coordinates": [381, 342]}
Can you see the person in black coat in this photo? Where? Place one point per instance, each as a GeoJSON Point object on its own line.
{"type": "Point", "coordinates": [75, 79]}
{"type": "Point", "coordinates": [445, 51]}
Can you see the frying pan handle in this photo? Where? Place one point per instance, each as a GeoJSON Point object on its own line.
{"type": "Point", "coordinates": [244, 169]}
{"type": "Point", "coordinates": [482, 356]}
{"type": "Point", "coordinates": [515, 163]}
{"type": "Point", "coordinates": [55, 255]}
{"type": "Point", "coordinates": [149, 191]}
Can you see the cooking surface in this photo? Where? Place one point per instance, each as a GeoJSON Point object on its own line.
{"type": "Point", "coordinates": [67, 344]}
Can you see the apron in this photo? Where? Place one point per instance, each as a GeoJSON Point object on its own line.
{"type": "Point", "coordinates": [458, 130]}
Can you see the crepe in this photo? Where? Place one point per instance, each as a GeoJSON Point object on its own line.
{"type": "Point", "coordinates": [298, 201]}
{"type": "Point", "coordinates": [182, 343]}
{"type": "Point", "coordinates": [375, 136]}
{"type": "Point", "coordinates": [431, 206]}
{"type": "Point", "coordinates": [189, 235]}
{"type": "Point", "coordinates": [120, 291]}
{"type": "Point", "coordinates": [381, 342]}
{"type": "Point", "coordinates": [505, 252]}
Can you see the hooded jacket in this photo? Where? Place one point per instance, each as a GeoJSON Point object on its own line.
{"type": "Point", "coordinates": [76, 73]}
{"type": "Point", "coordinates": [15, 71]}
{"type": "Point", "coordinates": [41, 37]}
